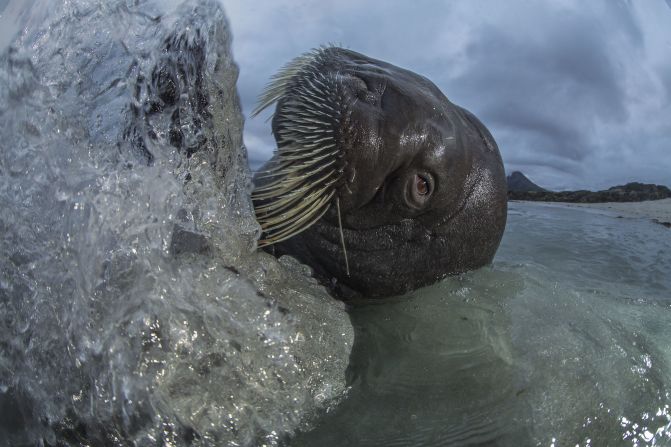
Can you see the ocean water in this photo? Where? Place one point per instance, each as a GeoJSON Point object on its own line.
{"type": "Point", "coordinates": [565, 340]}
{"type": "Point", "coordinates": [134, 309]}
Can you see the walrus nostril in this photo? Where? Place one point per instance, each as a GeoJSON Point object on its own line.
{"type": "Point", "coordinates": [362, 89]}
{"type": "Point", "coordinates": [358, 84]}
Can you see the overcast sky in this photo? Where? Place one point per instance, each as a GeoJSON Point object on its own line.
{"type": "Point", "coordinates": [577, 94]}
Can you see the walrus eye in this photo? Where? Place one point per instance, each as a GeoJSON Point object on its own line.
{"type": "Point", "coordinates": [419, 189]}
{"type": "Point", "coordinates": [421, 185]}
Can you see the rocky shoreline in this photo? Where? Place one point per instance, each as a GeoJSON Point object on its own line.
{"type": "Point", "coordinates": [631, 192]}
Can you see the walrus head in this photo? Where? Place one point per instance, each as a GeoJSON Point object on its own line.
{"type": "Point", "coordinates": [379, 182]}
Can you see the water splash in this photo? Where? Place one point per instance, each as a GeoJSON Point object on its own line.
{"type": "Point", "coordinates": [134, 307]}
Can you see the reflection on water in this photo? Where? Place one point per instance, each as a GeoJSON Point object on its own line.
{"type": "Point", "coordinates": [563, 341]}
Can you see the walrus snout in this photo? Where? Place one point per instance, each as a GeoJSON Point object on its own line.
{"type": "Point", "coordinates": [379, 182]}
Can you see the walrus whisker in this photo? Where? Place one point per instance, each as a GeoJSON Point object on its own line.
{"type": "Point", "coordinates": [283, 224]}
{"type": "Point", "coordinates": [287, 182]}
{"type": "Point", "coordinates": [271, 222]}
{"type": "Point", "coordinates": [276, 209]}
{"type": "Point", "coordinates": [296, 222]}
{"type": "Point", "coordinates": [305, 194]}
{"type": "Point", "coordinates": [307, 151]}
{"type": "Point", "coordinates": [299, 225]}
{"type": "Point", "coordinates": [315, 152]}
{"type": "Point", "coordinates": [342, 236]}
{"type": "Point", "coordinates": [311, 148]}
{"type": "Point", "coordinates": [307, 166]}
{"type": "Point", "coordinates": [302, 112]}
{"type": "Point", "coordinates": [279, 187]}
{"type": "Point", "coordinates": [308, 136]}
{"type": "Point", "coordinates": [284, 78]}
{"type": "Point", "coordinates": [273, 213]}
{"type": "Point", "coordinates": [297, 192]}
{"type": "Point", "coordinates": [281, 217]}
{"type": "Point", "coordinates": [283, 199]}
{"type": "Point", "coordinates": [297, 172]}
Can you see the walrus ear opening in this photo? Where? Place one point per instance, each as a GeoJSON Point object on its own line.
{"type": "Point", "coordinates": [485, 136]}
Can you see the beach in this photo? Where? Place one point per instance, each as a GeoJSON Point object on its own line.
{"type": "Point", "coordinates": [658, 210]}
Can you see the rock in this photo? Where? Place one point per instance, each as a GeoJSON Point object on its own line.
{"type": "Point", "coordinates": [134, 307]}
{"type": "Point", "coordinates": [519, 182]}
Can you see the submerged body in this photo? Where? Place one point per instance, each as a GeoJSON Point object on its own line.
{"type": "Point", "coordinates": [379, 183]}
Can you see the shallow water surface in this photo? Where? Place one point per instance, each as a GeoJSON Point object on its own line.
{"type": "Point", "coordinates": [564, 340]}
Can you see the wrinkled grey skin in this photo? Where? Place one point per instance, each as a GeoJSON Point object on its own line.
{"type": "Point", "coordinates": [402, 125]}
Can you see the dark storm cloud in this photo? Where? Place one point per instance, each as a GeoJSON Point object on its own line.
{"type": "Point", "coordinates": [569, 65]}
{"type": "Point", "coordinates": [549, 88]}
{"type": "Point", "coordinates": [577, 94]}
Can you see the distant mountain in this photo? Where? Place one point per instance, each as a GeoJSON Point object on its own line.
{"type": "Point", "coordinates": [631, 192]}
{"type": "Point", "coordinates": [519, 182]}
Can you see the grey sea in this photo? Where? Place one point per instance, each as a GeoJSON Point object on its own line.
{"type": "Point", "coordinates": [564, 340]}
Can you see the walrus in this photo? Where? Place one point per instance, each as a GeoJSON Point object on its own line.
{"type": "Point", "coordinates": [379, 182]}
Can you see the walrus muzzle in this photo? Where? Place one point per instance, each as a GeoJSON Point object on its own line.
{"type": "Point", "coordinates": [379, 182]}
